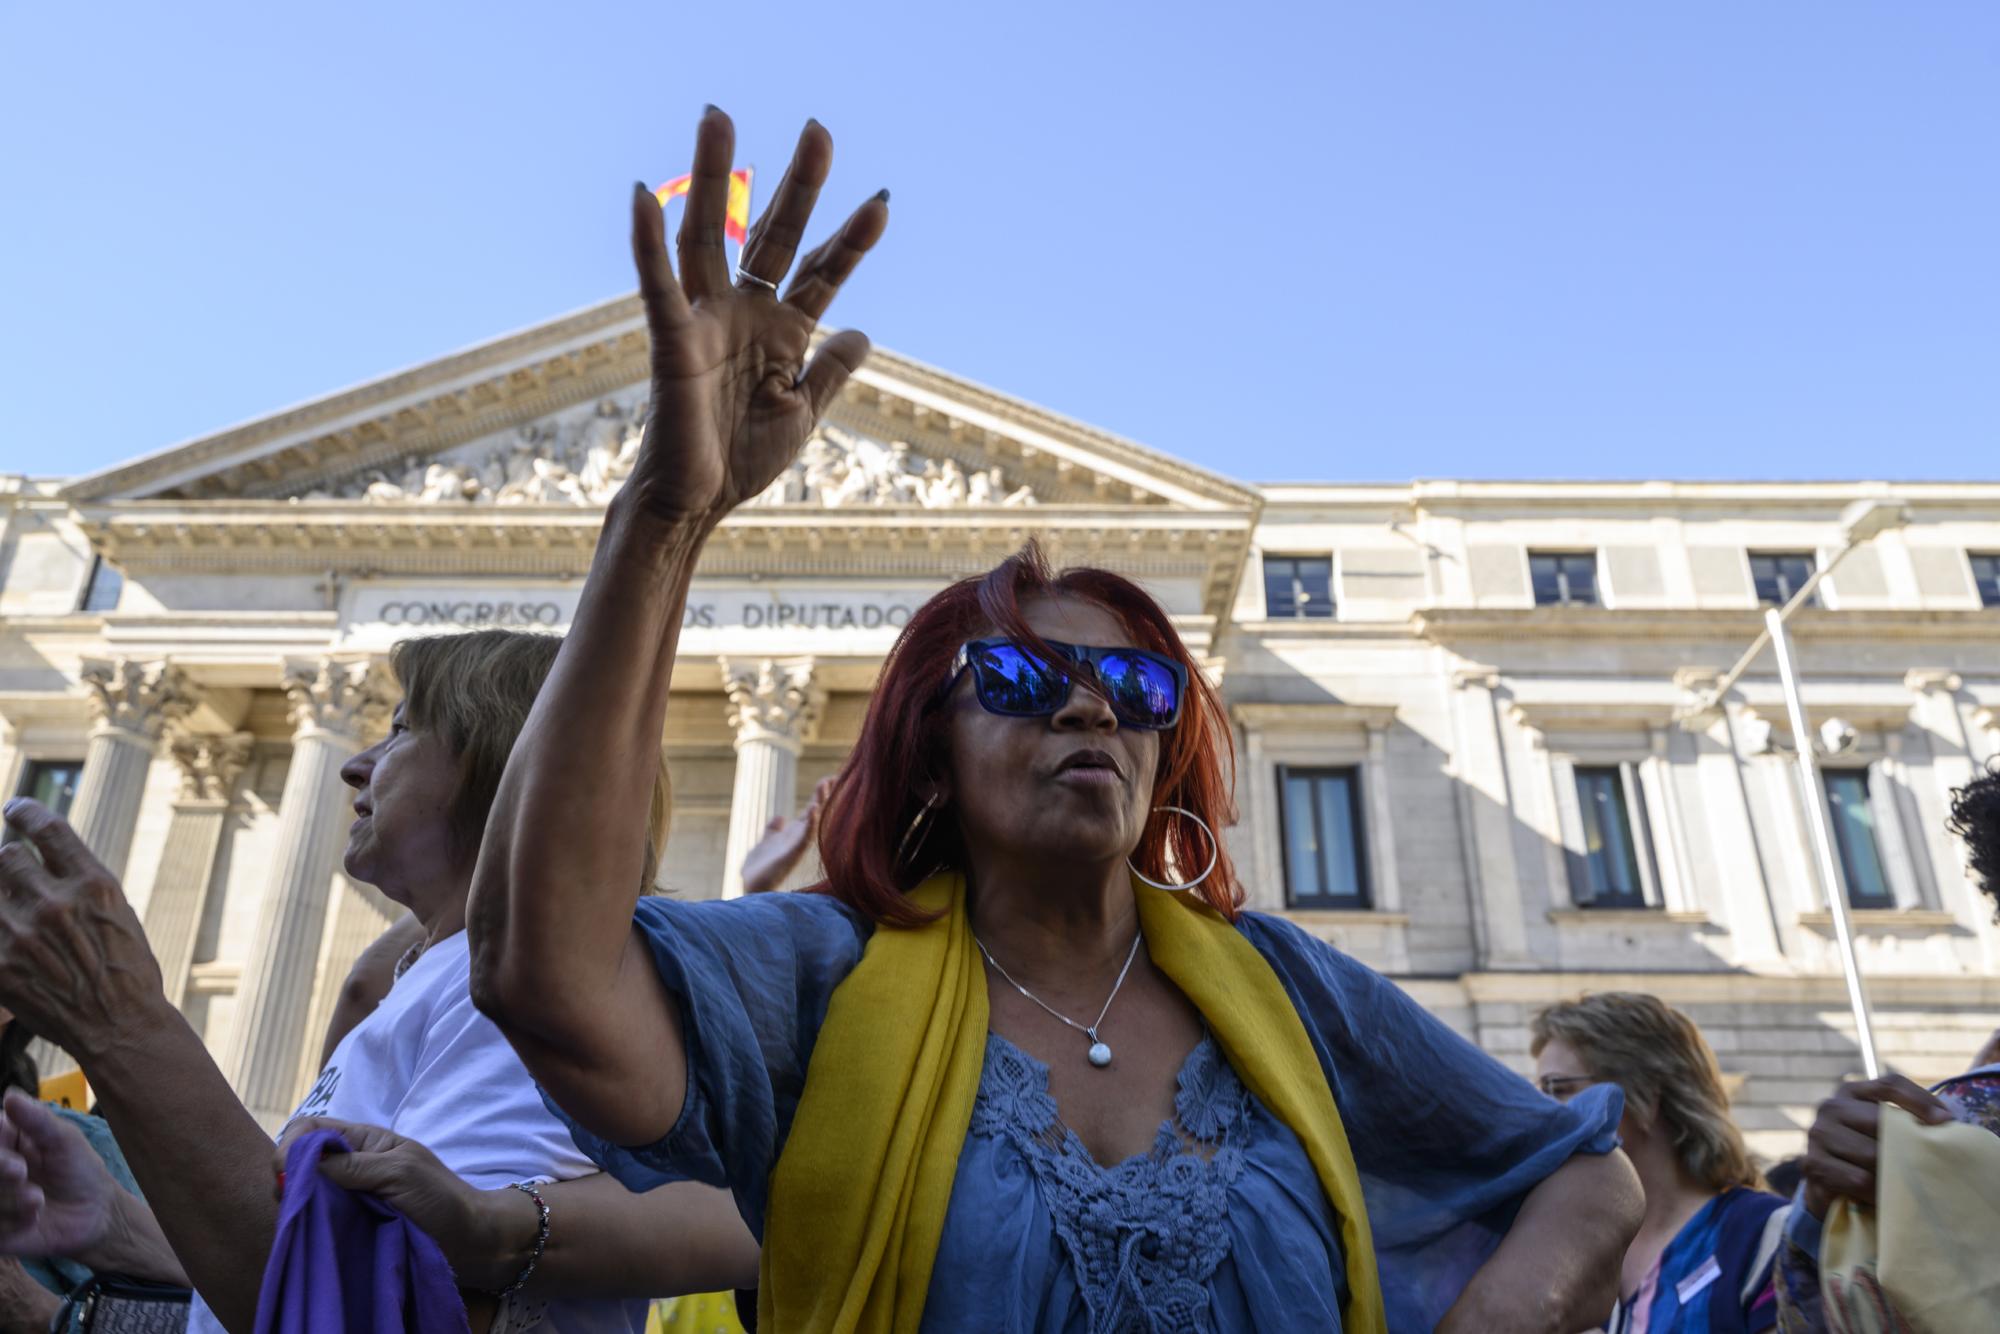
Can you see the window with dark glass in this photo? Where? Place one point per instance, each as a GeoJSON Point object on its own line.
{"type": "Point", "coordinates": [101, 593]}
{"type": "Point", "coordinates": [1854, 834]}
{"type": "Point", "coordinates": [1986, 574]}
{"type": "Point", "coordinates": [51, 782]}
{"type": "Point", "coordinates": [1781, 574]}
{"type": "Point", "coordinates": [1607, 872]}
{"type": "Point", "coordinates": [1319, 811]}
{"type": "Point", "coordinates": [1298, 586]}
{"type": "Point", "coordinates": [1563, 578]}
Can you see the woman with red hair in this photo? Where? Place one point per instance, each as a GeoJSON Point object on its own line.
{"type": "Point", "coordinates": [1021, 1063]}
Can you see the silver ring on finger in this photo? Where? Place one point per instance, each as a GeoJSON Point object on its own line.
{"type": "Point", "coordinates": [744, 275]}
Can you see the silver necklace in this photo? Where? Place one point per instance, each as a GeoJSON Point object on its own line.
{"type": "Point", "coordinates": [1100, 1052]}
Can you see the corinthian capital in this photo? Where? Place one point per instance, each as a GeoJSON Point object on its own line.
{"type": "Point", "coordinates": [773, 699]}
{"type": "Point", "coordinates": [137, 697]}
{"type": "Point", "coordinates": [350, 696]}
{"type": "Point", "coordinates": [209, 762]}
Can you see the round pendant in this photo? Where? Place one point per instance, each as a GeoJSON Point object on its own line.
{"type": "Point", "coordinates": [1100, 1055]}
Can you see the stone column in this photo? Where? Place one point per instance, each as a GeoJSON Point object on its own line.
{"type": "Point", "coordinates": [131, 702]}
{"type": "Point", "coordinates": [210, 764]}
{"type": "Point", "coordinates": [334, 702]}
{"type": "Point", "coordinates": [1486, 812]}
{"type": "Point", "coordinates": [774, 706]}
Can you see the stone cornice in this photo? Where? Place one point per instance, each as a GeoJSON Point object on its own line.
{"type": "Point", "coordinates": [351, 409]}
{"type": "Point", "coordinates": [524, 376]}
{"type": "Point", "coordinates": [1261, 716]}
{"type": "Point", "coordinates": [1446, 625]}
{"type": "Point", "coordinates": [1798, 501]}
{"type": "Point", "coordinates": [352, 539]}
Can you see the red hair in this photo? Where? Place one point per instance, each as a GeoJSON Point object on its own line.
{"type": "Point", "coordinates": [879, 791]}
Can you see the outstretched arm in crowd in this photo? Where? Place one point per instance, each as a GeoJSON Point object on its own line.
{"type": "Point", "coordinates": [369, 980]}
{"type": "Point", "coordinates": [784, 844]}
{"type": "Point", "coordinates": [75, 964]}
{"type": "Point", "coordinates": [1557, 1267]}
{"type": "Point", "coordinates": [555, 961]}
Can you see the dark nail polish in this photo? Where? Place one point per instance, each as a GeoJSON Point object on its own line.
{"type": "Point", "coordinates": [812, 122]}
{"type": "Point", "coordinates": [882, 196]}
{"type": "Point", "coordinates": [709, 108]}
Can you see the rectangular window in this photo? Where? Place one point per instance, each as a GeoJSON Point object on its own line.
{"type": "Point", "coordinates": [1563, 578]}
{"type": "Point", "coordinates": [51, 782]}
{"type": "Point", "coordinates": [1781, 574]}
{"type": "Point", "coordinates": [1608, 873]}
{"type": "Point", "coordinates": [1855, 836]}
{"type": "Point", "coordinates": [106, 583]}
{"type": "Point", "coordinates": [1986, 574]}
{"type": "Point", "coordinates": [1298, 586]}
{"type": "Point", "coordinates": [1319, 816]}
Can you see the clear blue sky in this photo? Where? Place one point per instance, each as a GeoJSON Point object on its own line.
{"type": "Point", "coordinates": [1322, 240]}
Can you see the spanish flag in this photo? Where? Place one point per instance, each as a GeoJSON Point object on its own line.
{"type": "Point", "coordinates": [736, 221]}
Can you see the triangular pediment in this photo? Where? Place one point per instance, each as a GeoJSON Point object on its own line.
{"type": "Point", "coordinates": [550, 417]}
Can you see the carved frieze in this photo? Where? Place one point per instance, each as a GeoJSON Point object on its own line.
{"type": "Point", "coordinates": [584, 462]}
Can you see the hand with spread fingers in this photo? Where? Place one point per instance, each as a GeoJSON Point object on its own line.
{"type": "Point", "coordinates": [1841, 1146]}
{"type": "Point", "coordinates": [74, 961]}
{"type": "Point", "coordinates": [733, 392]}
{"type": "Point", "coordinates": [784, 844]}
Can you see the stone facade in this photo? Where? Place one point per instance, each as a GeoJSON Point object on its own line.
{"type": "Point", "coordinates": [1498, 801]}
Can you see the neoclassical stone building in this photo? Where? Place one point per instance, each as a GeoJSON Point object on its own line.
{"type": "Point", "coordinates": [1461, 708]}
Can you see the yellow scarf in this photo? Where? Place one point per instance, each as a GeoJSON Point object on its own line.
{"type": "Point", "coordinates": [858, 1197]}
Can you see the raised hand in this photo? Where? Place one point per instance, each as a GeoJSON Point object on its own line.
{"type": "Point", "coordinates": [733, 395]}
{"type": "Point", "coordinates": [784, 844]}
{"type": "Point", "coordinates": [74, 961]}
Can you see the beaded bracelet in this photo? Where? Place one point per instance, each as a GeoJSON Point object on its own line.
{"type": "Point", "coordinates": [541, 1238]}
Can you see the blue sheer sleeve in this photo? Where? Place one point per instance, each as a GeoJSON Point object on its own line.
{"type": "Point", "coordinates": [753, 977]}
{"type": "Point", "coordinates": [1447, 1139]}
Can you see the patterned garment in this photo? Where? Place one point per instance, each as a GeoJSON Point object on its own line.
{"type": "Point", "coordinates": [1146, 1235]}
{"type": "Point", "coordinates": [1222, 1226]}
{"type": "Point", "coordinates": [1715, 1275]}
{"type": "Point", "coordinates": [1974, 1098]}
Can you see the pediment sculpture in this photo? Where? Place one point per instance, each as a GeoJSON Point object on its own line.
{"type": "Point", "coordinates": [585, 462]}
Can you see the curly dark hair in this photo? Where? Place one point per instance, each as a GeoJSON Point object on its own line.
{"type": "Point", "coordinates": [1975, 817]}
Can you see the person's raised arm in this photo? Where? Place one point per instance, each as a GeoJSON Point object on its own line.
{"type": "Point", "coordinates": [75, 964]}
{"type": "Point", "coordinates": [555, 962]}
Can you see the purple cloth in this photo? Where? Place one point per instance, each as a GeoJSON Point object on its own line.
{"type": "Point", "coordinates": [344, 1263]}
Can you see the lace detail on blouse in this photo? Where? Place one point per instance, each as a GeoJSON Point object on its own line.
{"type": "Point", "coordinates": [1145, 1236]}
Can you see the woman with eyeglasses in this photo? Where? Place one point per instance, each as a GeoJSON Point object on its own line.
{"type": "Point", "coordinates": [1705, 1255]}
{"type": "Point", "coordinates": [1022, 1063]}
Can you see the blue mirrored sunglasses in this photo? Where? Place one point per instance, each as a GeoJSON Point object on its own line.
{"type": "Point", "coordinates": [1143, 688]}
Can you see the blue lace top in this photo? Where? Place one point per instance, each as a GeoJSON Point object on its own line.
{"type": "Point", "coordinates": [1221, 1226]}
{"type": "Point", "coordinates": [1146, 1244]}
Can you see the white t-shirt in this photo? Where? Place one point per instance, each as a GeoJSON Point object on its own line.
{"type": "Point", "coordinates": [427, 1065]}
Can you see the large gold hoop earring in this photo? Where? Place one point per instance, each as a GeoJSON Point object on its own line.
{"type": "Point", "coordinates": [919, 827]}
{"type": "Point", "coordinates": [1214, 853]}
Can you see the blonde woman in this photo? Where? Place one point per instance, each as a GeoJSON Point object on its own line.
{"type": "Point", "coordinates": [1703, 1256]}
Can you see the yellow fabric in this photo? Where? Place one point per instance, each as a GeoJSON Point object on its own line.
{"type": "Point", "coordinates": [858, 1197]}
{"type": "Point", "coordinates": [67, 1091]}
{"type": "Point", "coordinates": [701, 1313]}
{"type": "Point", "coordinates": [1922, 1259]}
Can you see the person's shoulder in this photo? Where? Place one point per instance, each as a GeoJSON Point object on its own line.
{"type": "Point", "coordinates": [781, 906]}
{"type": "Point", "coordinates": [1288, 946]}
{"type": "Point", "coordinates": [798, 915]}
{"type": "Point", "coordinates": [1749, 1203]}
